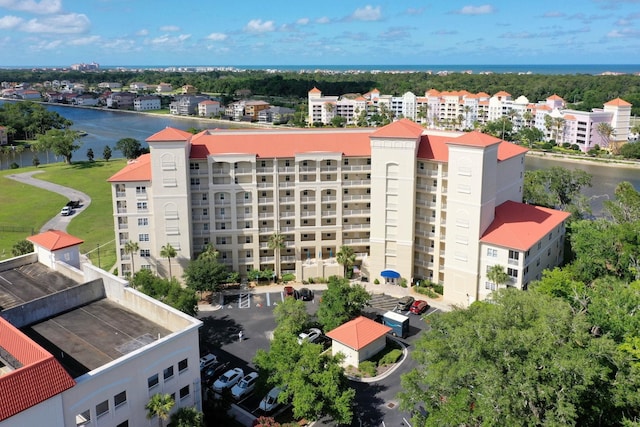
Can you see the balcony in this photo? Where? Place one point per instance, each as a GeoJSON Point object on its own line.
{"type": "Point", "coordinates": [356, 226]}
{"type": "Point", "coordinates": [243, 171]}
{"type": "Point", "coordinates": [287, 199]}
{"type": "Point", "coordinates": [286, 169]}
{"type": "Point", "coordinates": [355, 241]}
{"type": "Point", "coordinates": [356, 197]}
{"type": "Point", "coordinates": [306, 214]}
{"type": "Point", "coordinates": [354, 212]}
{"type": "Point", "coordinates": [121, 194]}
{"type": "Point", "coordinates": [328, 198]}
{"type": "Point", "coordinates": [354, 168]}
{"type": "Point", "coordinates": [357, 183]}
{"type": "Point", "coordinates": [265, 200]}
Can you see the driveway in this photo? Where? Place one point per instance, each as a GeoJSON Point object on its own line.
{"type": "Point", "coordinates": [58, 222]}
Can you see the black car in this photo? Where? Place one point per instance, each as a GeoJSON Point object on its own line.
{"type": "Point", "coordinates": [213, 372]}
{"type": "Point", "coordinates": [404, 303]}
{"type": "Point", "coordinates": [306, 294]}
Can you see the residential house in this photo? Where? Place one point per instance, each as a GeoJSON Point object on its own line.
{"type": "Point", "coordinates": [146, 103]}
{"type": "Point", "coordinates": [186, 105]}
{"type": "Point", "coordinates": [275, 115]}
{"type": "Point", "coordinates": [209, 108]}
{"type": "Point", "coordinates": [164, 88]}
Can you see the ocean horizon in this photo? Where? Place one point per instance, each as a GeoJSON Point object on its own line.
{"type": "Point", "coordinates": [559, 69]}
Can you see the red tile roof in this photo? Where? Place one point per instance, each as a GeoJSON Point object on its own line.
{"type": "Point", "coordinates": [169, 134]}
{"type": "Point", "coordinates": [555, 97]}
{"type": "Point", "coordinates": [403, 128]}
{"type": "Point", "coordinates": [40, 377]}
{"type": "Point", "coordinates": [502, 93]}
{"type": "Point", "coordinates": [54, 240]}
{"type": "Point", "coordinates": [520, 226]}
{"type": "Point", "coordinates": [315, 90]}
{"type": "Point", "coordinates": [136, 170]}
{"type": "Point", "coordinates": [476, 139]}
{"type": "Point", "coordinates": [618, 102]}
{"type": "Point", "coordinates": [358, 333]}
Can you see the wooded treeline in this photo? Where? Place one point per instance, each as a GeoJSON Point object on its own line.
{"type": "Point", "coordinates": [582, 91]}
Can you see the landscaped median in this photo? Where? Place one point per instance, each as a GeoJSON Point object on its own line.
{"type": "Point", "coordinates": [380, 365]}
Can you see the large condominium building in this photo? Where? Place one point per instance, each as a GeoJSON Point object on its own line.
{"type": "Point", "coordinates": [78, 347]}
{"type": "Point", "coordinates": [464, 110]}
{"type": "Point", "coordinates": [411, 203]}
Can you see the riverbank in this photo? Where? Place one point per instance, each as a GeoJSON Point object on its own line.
{"type": "Point", "coordinates": [599, 161]}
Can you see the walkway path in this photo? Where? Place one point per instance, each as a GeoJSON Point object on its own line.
{"type": "Point", "coordinates": [58, 222]}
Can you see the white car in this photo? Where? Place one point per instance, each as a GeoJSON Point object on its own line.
{"type": "Point", "coordinates": [311, 335]}
{"type": "Point", "coordinates": [270, 401]}
{"type": "Point", "coordinates": [228, 379]}
{"type": "Point", "coordinates": [245, 386]}
{"type": "Point", "coordinates": [207, 360]}
{"type": "Point", "coordinates": [66, 211]}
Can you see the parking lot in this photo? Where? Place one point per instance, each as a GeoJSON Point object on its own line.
{"type": "Point", "coordinates": [252, 313]}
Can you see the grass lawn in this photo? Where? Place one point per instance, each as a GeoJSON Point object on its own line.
{"type": "Point", "coordinates": [30, 207]}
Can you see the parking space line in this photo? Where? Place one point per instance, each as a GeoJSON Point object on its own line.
{"type": "Point", "coordinates": [244, 301]}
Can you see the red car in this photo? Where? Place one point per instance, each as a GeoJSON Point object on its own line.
{"type": "Point", "coordinates": [289, 291]}
{"type": "Point", "coordinates": [419, 307]}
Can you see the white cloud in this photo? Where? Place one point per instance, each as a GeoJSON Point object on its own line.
{"type": "Point", "coordinates": [323, 20]}
{"type": "Point", "coordinates": [553, 14]}
{"type": "Point", "coordinates": [367, 13]}
{"type": "Point", "coordinates": [302, 21]}
{"type": "Point", "coordinates": [83, 41]}
{"type": "Point", "coordinates": [257, 26]}
{"type": "Point", "coordinates": [71, 23]}
{"type": "Point", "coordinates": [170, 28]}
{"type": "Point", "coordinates": [623, 33]}
{"type": "Point", "coordinates": [9, 22]}
{"type": "Point", "coordinates": [216, 37]}
{"type": "Point", "coordinates": [415, 11]}
{"type": "Point", "coordinates": [143, 32]}
{"type": "Point", "coordinates": [169, 40]}
{"type": "Point", "coordinates": [477, 10]}
{"type": "Point", "coordinates": [42, 7]}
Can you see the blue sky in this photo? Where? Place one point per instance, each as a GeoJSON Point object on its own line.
{"type": "Point", "coordinates": [327, 32]}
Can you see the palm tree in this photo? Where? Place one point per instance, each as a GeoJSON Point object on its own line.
{"type": "Point", "coordinates": [528, 117]}
{"type": "Point", "coordinates": [346, 257]}
{"type": "Point", "coordinates": [131, 248]}
{"type": "Point", "coordinates": [497, 275]}
{"type": "Point", "coordinates": [168, 252]}
{"type": "Point", "coordinates": [606, 131]}
{"type": "Point", "coordinates": [276, 243]}
{"type": "Point", "coordinates": [159, 406]}
{"type": "Point", "coordinates": [209, 252]}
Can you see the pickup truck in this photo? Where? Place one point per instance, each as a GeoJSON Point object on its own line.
{"type": "Point", "coordinates": [66, 211]}
{"type": "Point", "coordinates": [74, 204]}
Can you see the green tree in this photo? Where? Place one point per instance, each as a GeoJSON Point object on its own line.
{"type": "Point", "coordinates": [346, 258]}
{"type": "Point", "coordinates": [341, 302]}
{"type": "Point", "coordinates": [90, 154]}
{"type": "Point", "coordinates": [626, 206]}
{"type": "Point", "coordinates": [132, 249]}
{"type": "Point", "coordinates": [560, 283]}
{"type": "Point", "coordinates": [530, 135]}
{"type": "Point", "coordinates": [159, 406]}
{"type": "Point", "coordinates": [62, 142]}
{"type": "Point", "coordinates": [129, 147]}
{"type": "Point", "coordinates": [338, 122]}
{"type": "Point", "coordinates": [500, 128]}
{"type": "Point", "coordinates": [22, 247]}
{"type": "Point", "coordinates": [276, 243]}
{"type": "Point", "coordinates": [187, 417]}
{"type": "Point", "coordinates": [606, 132]}
{"type": "Point", "coordinates": [291, 316]}
{"type": "Point", "coordinates": [205, 273]}
{"type": "Point", "coordinates": [497, 275]}
{"type": "Point", "coordinates": [106, 153]}
{"type": "Point", "coordinates": [559, 188]}
{"type": "Point", "coordinates": [168, 252]}
{"type": "Point", "coordinates": [525, 359]}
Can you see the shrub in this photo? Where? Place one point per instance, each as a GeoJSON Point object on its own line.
{"type": "Point", "coordinates": [289, 277]}
{"type": "Point", "coordinates": [403, 283]}
{"type": "Point", "coordinates": [14, 165]}
{"type": "Point", "coordinates": [547, 146]}
{"type": "Point", "coordinates": [311, 280]}
{"type": "Point", "coordinates": [368, 368]}
{"type": "Point", "coordinates": [423, 290]}
{"type": "Point", "coordinates": [390, 358]}
{"type": "Point", "coordinates": [376, 282]}
{"type": "Point", "coordinates": [438, 288]}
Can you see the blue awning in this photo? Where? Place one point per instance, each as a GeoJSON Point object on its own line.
{"type": "Point", "coordinates": [390, 274]}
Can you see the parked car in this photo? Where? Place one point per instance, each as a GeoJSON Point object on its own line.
{"type": "Point", "coordinates": [306, 294]}
{"type": "Point", "coordinates": [228, 379]}
{"type": "Point", "coordinates": [207, 360]}
{"type": "Point", "coordinates": [404, 303]}
{"type": "Point", "coordinates": [212, 372]}
{"type": "Point", "coordinates": [66, 211]}
{"type": "Point", "coordinates": [74, 204]}
{"type": "Point", "coordinates": [245, 386]}
{"type": "Point", "coordinates": [419, 306]}
{"type": "Point", "coordinates": [311, 335]}
{"type": "Point", "coordinates": [270, 401]}
{"type": "Point", "coordinates": [289, 291]}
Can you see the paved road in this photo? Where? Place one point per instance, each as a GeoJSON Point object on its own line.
{"type": "Point", "coordinates": [58, 222]}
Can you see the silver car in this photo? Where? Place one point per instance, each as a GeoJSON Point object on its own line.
{"type": "Point", "coordinates": [228, 379]}
{"type": "Point", "coordinates": [270, 401]}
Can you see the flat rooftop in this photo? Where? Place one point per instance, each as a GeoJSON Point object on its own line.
{"type": "Point", "coordinates": [93, 335]}
{"type": "Point", "coordinates": [81, 339]}
{"type": "Point", "coordinates": [29, 282]}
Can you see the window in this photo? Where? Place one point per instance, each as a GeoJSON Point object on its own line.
{"type": "Point", "coordinates": [144, 237]}
{"type": "Point", "coordinates": [141, 190]}
{"type": "Point", "coordinates": [247, 224]}
{"type": "Point", "coordinates": [421, 165]}
{"type": "Point", "coordinates": [304, 177]}
{"type": "Point", "coordinates": [512, 272]}
{"type": "Point", "coordinates": [286, 163]}
{"type": "Point", "coordinates": [247, 195]}
{"type": "Point", "coordinates": [83, 418]}
{"type": "Point", "coordinates": [143, 222]}
{"type": "Point", "coordinates": [167, 373]}
{"type": "Point", "coordinates": [304, 163]}
{"type": "Point", "coordinates": [102, 408]}
{"type": "Point", "coordinates": [345, 162]}
{"type": "Point", "coordinates": [539, 245]}
{"type": "Point", "coordinates": [287, 178]}
{"type": "Point", "coordinates": [123, 424]}
{"type": "Point", "coordinates": [194, 166]}
{"type": "Point", "coordinates": [287, 193]}
{"type": "Point", "coordinates": [247, 239]}
{"type": "Point", "coordinates": [305, 193]}
{"type": "Point", "coordinates": [514, 255]}
{"type": "Point", "coordinates": [152, 381]}
{"type": "Point", "coordinates": [182, 365]}
{"type": "Point", "coordinates": [263, 164]}
{"type": "Point", "coordinates": [184, 392]}
{"type": "Point", "coordinates": [195, 181]}
{"type": "Point", "coordinates": [205, 196]}
{"type": "Point", "coordinates": [264, 194]}
{"type": "Point", "coordinates": [346, 177]}
{"type": "Point", "coordinates": [119, 399]}
{"type": "Point", "coordinates": [145, 267]}
{"type": "Point", "coordinates": [145, 253]}
{"type": "Point", "coordinates": [328, 192]}
{"type": "Point", "coordinates": [490, 286]}
{"type": "Point", "coordinates": [142, 206]}
{"type": "Point", "coordinates": [235, 165]}
{"type": "Point", "coordinates": [205, 211]}
{"type": "Point", "coordinates": [328, 162]}
{"type": "Point", "coordinates": [262, 179]}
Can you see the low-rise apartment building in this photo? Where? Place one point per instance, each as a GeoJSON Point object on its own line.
{"type": "Point", "coordinates": [413, 204]}
{"type": "Point", "coordinates": [146, 103]}
{"type": "Point", "coordinates": [81, 348]}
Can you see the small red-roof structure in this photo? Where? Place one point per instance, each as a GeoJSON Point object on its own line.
{"type": "Point", "coordinates": [38, 377]}
{"type": "Point", "coordinates": [520, 226]}
{"type": "Point", "coordinates": [136, 170]}
{"type": "Point", "coordinates": [403, 128]}
{"type": "Point", "coordinates": [618, 102]}
{"type": "Point", "coordinates": [169, 134]}
{"type": "Point", "coordinates": [54, 240]}
{"type": "Point", "coordinates": [358, 339]}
